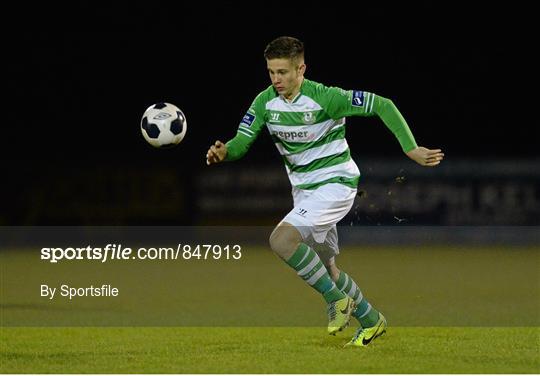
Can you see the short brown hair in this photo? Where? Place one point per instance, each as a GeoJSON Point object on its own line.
{"type": "Point", "coordinates": [284, 48]}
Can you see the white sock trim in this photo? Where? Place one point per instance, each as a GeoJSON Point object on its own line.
{"type": "Point", "coordinates": [309, 266]}
{"type": "Point", "coordinates": [315, 277]}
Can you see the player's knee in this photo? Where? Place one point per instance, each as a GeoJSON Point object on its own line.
{"type": "Point", "coordinates": [278, 241]}
{"type": "Point", "coordinates": [284, 240]}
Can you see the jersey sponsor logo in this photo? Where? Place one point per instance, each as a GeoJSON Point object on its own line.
{"type": "Point", "coordinates": [358, 98]}
{"type": "Point", "coordinates": [309, 117]}
{"type": "Point", "coordinates": [294, 136]}
{"type": "Point", "coordinates": [247, 120]}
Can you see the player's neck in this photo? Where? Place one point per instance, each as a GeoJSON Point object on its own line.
{"type": "Point", "coordinates": [294, 92]}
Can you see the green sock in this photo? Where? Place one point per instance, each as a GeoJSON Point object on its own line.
{"type": "Point", "coordinates": [364, 312]}
{"type": "Point", "coordinates": [308, 265]}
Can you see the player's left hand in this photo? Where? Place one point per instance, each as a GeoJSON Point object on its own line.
{"type": "Point", "coordinates": [426, 157]}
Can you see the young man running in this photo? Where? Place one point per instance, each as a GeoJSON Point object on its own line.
{"type": "Point", "coordinates": [306, 120]}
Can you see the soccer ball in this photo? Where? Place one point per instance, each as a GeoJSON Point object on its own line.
{"type": "Point", "coordinates": [163, 125]}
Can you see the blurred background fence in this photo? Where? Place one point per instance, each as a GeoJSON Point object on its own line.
{"type": "Point", "coordinates": [391, 192]}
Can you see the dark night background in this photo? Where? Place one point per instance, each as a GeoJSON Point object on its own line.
{"type": "Point", "coordinates": [77, 83]}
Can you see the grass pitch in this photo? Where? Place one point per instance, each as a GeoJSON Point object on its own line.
{"type": "Point", "coordinates": [267, 350]}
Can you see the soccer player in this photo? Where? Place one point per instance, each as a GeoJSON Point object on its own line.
{"type": "Point", "coordinates": [306, 121]}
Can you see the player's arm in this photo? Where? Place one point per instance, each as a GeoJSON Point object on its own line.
{"type": "Point", "coordinates": [392, 118]}
{"type": "Point", "coordinates": [359, 103]}
{"type": "Point", "coordinates": [247, 132]}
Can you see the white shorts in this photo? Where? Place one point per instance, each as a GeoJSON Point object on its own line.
{"type": "Point", "coordinates": [316, 213]}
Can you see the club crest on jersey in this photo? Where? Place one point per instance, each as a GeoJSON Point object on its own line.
{"type": "Point", "coordinates": [357, 98]}
{"type": "Point", "coordinates": [247, 120]}
{"type": "Point", "coordinates": [309, 117]}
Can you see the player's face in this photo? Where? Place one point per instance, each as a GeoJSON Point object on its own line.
{"type": "Point", "coordinates": [286, 75]}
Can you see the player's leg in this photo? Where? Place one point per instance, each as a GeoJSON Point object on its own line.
{"type": "Point", "coordinates": [315, 213]}
{"type": "Point", "coordinates": [372, 322]}
{"type": "Point", "coordinates": [365, 313]}
{"type": "Point", "coordinates": [286, 241]}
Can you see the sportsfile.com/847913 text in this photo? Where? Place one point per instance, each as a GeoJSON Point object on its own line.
{"type": "Point", "coordinates": [118, 252]}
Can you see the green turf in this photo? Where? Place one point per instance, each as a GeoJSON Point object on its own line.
{"type": "Point", "coordinates": [267, 350]}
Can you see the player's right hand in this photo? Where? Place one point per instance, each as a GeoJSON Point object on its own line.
{"type": "Point", "coordinates": [216, 153]}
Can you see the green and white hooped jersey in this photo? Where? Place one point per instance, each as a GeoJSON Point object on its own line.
{"type": "Point", "coordinates": [309, 131]}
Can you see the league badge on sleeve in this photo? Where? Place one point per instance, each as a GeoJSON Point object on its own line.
{"type": "Point", "coordinates": [357, 98]}
{"type": "Point", "coordinates": [247, 120]}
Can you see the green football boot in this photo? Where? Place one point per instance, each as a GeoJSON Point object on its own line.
{"type": "Point", "coordinates": [339, 314]}
{"type": "Point", "coordinates": [364, 336]}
